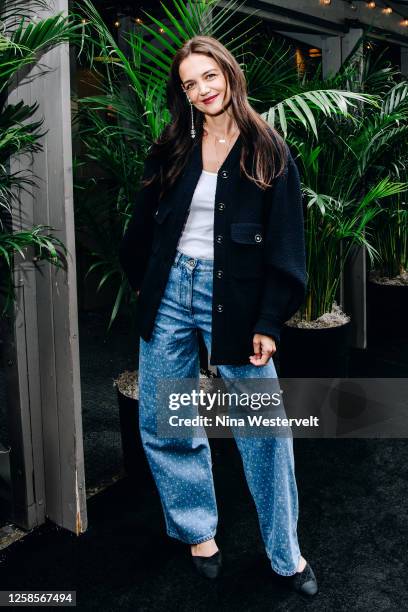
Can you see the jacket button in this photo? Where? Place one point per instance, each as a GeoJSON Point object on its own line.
{"type": "Point", "coordinates": [219, 273]}
{"type": "Point", "coordinates": [221, 206]}
{"type": "Point", "coordinates": [220, 307]}
{"type": "Point", "coordinates": [258, 237]}
{"type": "Point", "coordinates": [219, 238]}
{"type": "Point", "coordinates": [224, 174]}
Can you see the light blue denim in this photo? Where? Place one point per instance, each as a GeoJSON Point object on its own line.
{"type": "Point", "coordinates": [182, 467]}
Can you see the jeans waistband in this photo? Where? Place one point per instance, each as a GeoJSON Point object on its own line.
{"type": "Point", "coordinates": [192, 262]}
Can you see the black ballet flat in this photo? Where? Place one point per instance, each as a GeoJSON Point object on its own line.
{"type": "Point", "coordinates": [303, 582]}
{"type": "Point", "coordinates": [210, 567]}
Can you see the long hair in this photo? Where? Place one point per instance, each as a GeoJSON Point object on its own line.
{"type": "Point", "coordinates": [261, 144]}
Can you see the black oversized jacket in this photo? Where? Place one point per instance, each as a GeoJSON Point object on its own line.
{"type": "Point", "coordinates": [259, 252]}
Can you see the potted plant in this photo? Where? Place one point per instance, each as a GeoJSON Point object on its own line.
{"type": "Point", "coordinates": [315, 341]}
{"type": "Point", "coordinates": [345, 177]}
{"type": "Point", "coordinates": [387, 283]}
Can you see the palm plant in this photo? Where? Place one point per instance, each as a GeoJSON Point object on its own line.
{"type": "Point", "coordinates": [134, 91]}
{"type": "Point", "coordinates": [333, 227]}
{"type": "Point", "coordinates": [22, 42]}
{"type": "Point", "coordinates": [390, 227]}
{"type": "Point", "coordinates": [349, 183]}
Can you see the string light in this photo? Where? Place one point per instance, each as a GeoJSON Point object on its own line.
{"type": "Point", "coordinates": [161, 30]}
{"type": "Point", "coordinates": [138, 20]}
{"type": "Point", "coordinates": [117, 24]}
{"type": "Point", "coordinates": [371, 4]}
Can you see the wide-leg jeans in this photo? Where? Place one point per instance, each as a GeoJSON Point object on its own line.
{"type": "Point", "coordinates": [182, 467]}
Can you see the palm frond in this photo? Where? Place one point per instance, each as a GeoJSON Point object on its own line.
{"type": "Point", "coordinates": [301, 108]}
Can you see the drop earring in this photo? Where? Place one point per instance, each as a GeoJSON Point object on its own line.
{"type": "Point", "coordinates": [192, 131]}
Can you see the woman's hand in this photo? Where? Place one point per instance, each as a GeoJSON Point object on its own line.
{"type": "Point", "coordinates": [264, 348]}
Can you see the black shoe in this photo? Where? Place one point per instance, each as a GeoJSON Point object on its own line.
{"type": "Point", "coordinates": [209, 567]}
{"type": "Point", "coordinates": [302, 582]}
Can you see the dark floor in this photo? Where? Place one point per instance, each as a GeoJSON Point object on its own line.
{"type": "Point", "coordinates": [352, 528]}
{"type": "Point", "coordinates": [104, 355]}
{"type": "Point", "coordinates": [352, 522]}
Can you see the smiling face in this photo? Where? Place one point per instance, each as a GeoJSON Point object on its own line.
{"type": "Point", "coordinates": [204, 83]}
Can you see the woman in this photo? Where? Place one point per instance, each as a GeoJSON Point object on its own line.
{"type": "Point", "coordinates": [215, 246]}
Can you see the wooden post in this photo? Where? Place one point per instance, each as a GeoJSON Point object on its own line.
{"type": "Point", "coordinates": [44, 375]}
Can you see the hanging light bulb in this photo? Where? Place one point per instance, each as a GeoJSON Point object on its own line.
{"type": "Point", "coordinates": [325, 2]}
{"type": "Point", "coordinates": [387, 10]}
{"type": "Point", "coordinates": [404, 22]}
{"type": "Point", "coordinates": [371, 5]}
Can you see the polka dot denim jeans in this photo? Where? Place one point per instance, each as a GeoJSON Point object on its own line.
{"type": "Point", "coordinates": [182, 467]}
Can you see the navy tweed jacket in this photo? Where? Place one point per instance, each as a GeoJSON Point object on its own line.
{"type": "Point", "coordinates": [259, 277]}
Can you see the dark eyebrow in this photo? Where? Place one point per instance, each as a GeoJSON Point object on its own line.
{"type": "Point", "coordinates": [188, 80]}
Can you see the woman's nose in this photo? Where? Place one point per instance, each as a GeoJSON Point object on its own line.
{"type": "Point", "coordinates": [203, 89]}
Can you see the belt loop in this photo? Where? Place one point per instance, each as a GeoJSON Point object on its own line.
{"type": "Point", "coordinates": [177, 258]}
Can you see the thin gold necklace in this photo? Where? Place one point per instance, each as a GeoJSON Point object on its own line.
{"type": "Point", "coordinates": [221, 140]}
{"type": "Point", "coordinates": [216, 137]}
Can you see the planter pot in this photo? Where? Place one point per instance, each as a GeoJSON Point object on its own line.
{"type": "Point", "coordinates": [315, 353]}
{"type": "Point", "coordinates": [134, 456]}
{"type": "Point", "coordinates": [387, 306]}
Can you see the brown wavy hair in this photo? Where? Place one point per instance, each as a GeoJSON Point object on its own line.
{"type": "Point", "coordinates": [261, 144]}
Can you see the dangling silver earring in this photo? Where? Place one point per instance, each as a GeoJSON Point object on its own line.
{"type": "Point", "coordinates": [192, 131]}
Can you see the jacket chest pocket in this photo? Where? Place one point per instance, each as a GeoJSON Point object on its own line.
{"type": "Point", "coordinates": [246, 255]}
{"type": "Point", "coordinates": [160, 215]}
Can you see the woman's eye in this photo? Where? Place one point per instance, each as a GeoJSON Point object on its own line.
{"type": "Point", "coordinates": [191, 85]}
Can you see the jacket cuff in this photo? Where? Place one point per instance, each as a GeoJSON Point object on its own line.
{"type": "Point", "coordinates": [268, 327]}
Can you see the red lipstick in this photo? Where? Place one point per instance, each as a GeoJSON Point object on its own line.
{"type": "Point", "coordinates": [209, 100]}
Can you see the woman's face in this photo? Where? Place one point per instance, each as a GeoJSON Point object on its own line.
{"type": "Point", "coordinates": [204, 83]}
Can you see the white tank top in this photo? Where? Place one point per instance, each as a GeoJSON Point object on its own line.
{"type": "Point", "coordinates": [197, 238]}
